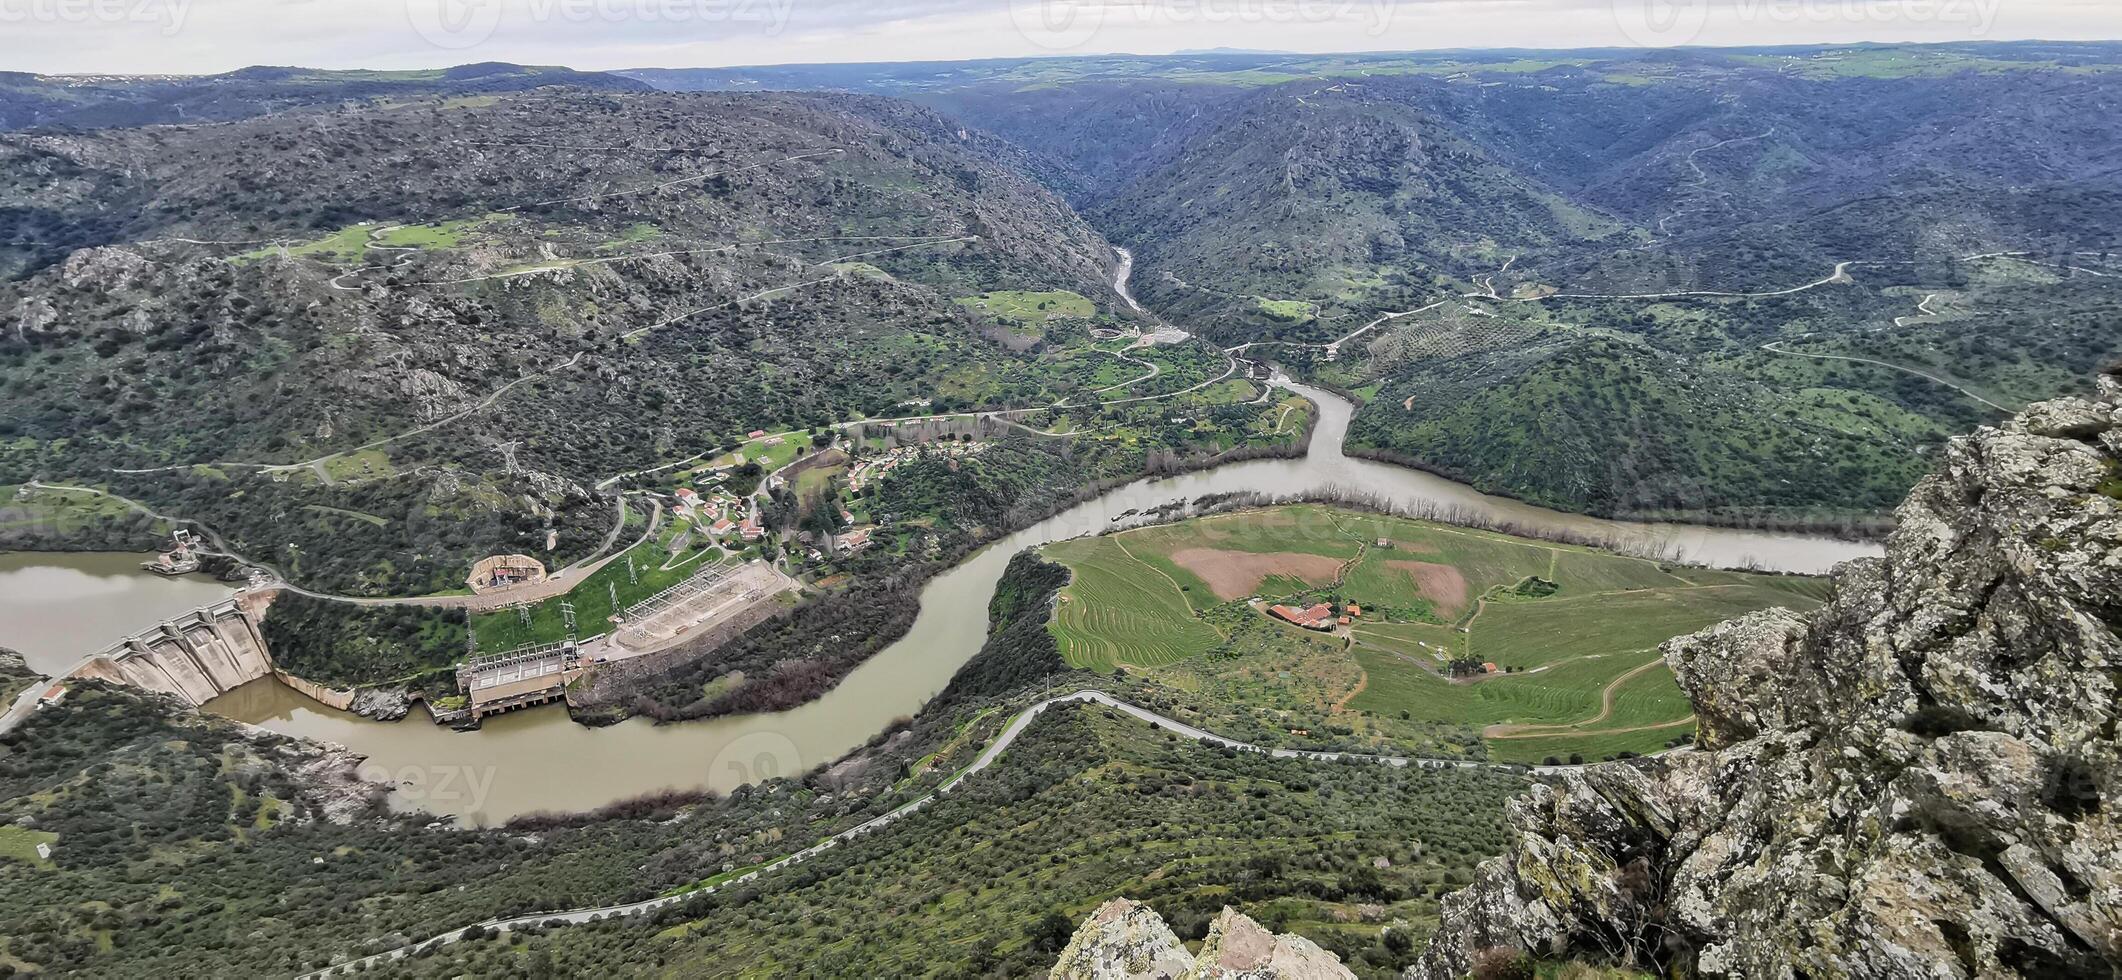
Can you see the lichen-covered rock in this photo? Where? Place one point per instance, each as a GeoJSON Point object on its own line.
{"type": "Point", "coordinates": [1237, 948]}
{"type": "Point", "coordinates": [1919, 778]}
{"type": "Point", "coordinates": [1125, 940]}
{"type": "Point", "coordinates": [385, 703]}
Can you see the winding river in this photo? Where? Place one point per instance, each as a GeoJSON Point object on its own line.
{"type": "Point", "coordinates": [540, 760]}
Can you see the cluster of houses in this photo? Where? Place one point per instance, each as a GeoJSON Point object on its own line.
{"type": "Point", "coordinates": [721, 514]}
{"type": "Point", "coordinates": [1320, 616]}
{"type": "Point", "coordinates": [870, 469]}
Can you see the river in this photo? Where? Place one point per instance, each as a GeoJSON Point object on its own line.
{"type": "Point", "coordinates": [540, 760]}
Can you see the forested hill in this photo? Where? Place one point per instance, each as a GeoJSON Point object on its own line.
{"type": "Point", "coordinates": [102, 101]}
{"type": "Point", "coordinates": [863, 164]}
{"type": "Point", "coordinates": [1660, 284]}
{"type": "Point", "coordinates": [461, 315]}
{"type": "Point", "coordinates": [1624, 177]}
{"type": "Point", "coordinates": [1601, 170]}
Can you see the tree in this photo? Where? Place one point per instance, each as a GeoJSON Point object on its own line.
{"type": "Point", "coordinates": [1052, 932]}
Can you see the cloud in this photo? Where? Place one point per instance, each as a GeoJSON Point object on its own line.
{"type": "Point", "coordinates": [147, 36]}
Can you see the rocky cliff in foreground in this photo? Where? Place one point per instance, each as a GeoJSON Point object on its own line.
{"type": "Point", "coordinates": [1126, 940]}
{"type": "Point", "coordinates": [1918, 779]}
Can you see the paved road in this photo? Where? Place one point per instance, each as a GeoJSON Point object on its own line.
{"type": "Point", "coordinates": [22, 707]}
{"type": "Point", "coordinates": [987, 758]}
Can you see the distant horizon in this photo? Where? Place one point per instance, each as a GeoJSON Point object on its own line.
{"type": "Point", "coordinates": [1084, 56]}
{"type": "Point", "coordinates": [205, 37]}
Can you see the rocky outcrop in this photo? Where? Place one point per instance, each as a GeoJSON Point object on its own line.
{"type": "Point", "coordinates": [388, 702]}
{"type": "Point", "coordinates": [1918, 779]}
{"type": "Point", "coordinates": [1125, 940]}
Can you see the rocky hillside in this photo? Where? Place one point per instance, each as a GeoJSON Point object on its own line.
{"type": "Point", "coordinates": [100, 101]}
{"type": "Point", "coordinates": [1914, 780]}
{"type": "Point", "coordinates": [564, 286]}
{"type": "Point", "coordinates": [1125, 939]}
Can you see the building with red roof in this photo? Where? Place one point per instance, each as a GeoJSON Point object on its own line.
{"type": "Point", "coordinates": [1316, 617]}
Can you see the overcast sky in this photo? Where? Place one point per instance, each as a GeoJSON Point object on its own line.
{"type": "Point", "coordinates": [137, 36]}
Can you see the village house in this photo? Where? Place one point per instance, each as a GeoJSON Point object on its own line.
{"type": "Point", "coordinates": [1316, 617]}
{"type": "Point", "coordinates": [855, 539]}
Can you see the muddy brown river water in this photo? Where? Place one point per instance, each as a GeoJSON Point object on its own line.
{"type": "Point", "coordinates": [56, 607]}
{"type": "Point", "coordinates": [540, 760]}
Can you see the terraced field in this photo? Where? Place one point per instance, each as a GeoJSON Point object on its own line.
{"type": "Point", "coordinates": [1574, 632]}
{"type": "Point", "coordinates": [1119, 610]}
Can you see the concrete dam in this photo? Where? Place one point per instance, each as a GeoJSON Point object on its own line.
{"type": "Point", "coordinates": [197, 657]}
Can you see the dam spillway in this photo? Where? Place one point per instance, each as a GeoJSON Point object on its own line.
{"type": "Point", "coordinates": [197, 656]}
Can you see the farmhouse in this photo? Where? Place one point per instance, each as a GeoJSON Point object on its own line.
{"type": "Point", "coordinates": [855, 539]}
{"type": "Point", "coordinates": [1318, 617]}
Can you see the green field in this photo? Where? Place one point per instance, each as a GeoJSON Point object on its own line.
{"type": "Point", "coordinates": [351, 243]}
{"type": "Point", "coordinates": [1029, 308]}
{"type": "Point", "coordinates": [1574, 631]}
{"type": "Point", "coordinates": [592, 597]}
{"type": "Point", "coordinates": [20, 844]}
{"type": "Point", "coordinates": [1287, 309]}
{"type": "Point", "coordinates": [60, 511]}
{"type": "Point", "coordinates": [1118, 610]}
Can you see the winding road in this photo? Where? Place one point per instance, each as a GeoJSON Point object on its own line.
{"type": "Point", "coordinates": [988, 757]}
{"type": "Point", "coordinates": [1774, 348]}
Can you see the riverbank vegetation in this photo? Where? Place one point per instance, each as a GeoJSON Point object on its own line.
{"type": "Point", "coordinates": [228, 868]}
{"type": "Point", "coordinates": [1719, 409]}
{"type": "Point", "coordinates": [43, 519]}
{"type": "Point", "coordinates": [339, 644]}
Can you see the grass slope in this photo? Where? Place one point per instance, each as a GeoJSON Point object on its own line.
{"type": "Point", "coordinates": [1574, 631]}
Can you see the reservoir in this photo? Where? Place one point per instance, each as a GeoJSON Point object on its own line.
{"type": "Point", "coordinates": [540, 760]}
{"type": "Point", "coordinates": [57, 607]}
